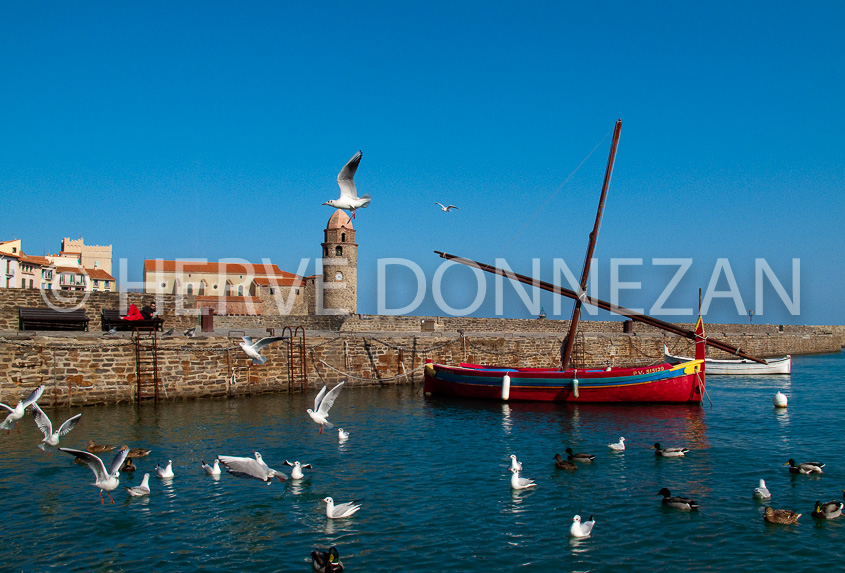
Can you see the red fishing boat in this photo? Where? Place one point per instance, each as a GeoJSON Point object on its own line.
{"type": "Point", "coordinates": [668, 383]}
{"type": "Point", "coordinates": [664, 383]}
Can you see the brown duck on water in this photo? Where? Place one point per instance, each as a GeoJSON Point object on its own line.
{"type": "Point", "coordinates": [563, 464]}
{"type": "Point", "coordinates": [783, 516]}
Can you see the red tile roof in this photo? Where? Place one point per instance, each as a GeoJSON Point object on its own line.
{"type": "Point", "coordinates": [256, 269]}
{"type": "Point", "coordinates": [99, 274]}
{"type": "Point", "coordinates": [75, 270]}
{"type": "Point", "coordinates": [35, 260]}
{"type": "Point", "coordinates": [279, 281]}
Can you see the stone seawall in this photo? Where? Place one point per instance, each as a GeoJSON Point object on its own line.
{"type": "Point", "coordinates": [91, 369]}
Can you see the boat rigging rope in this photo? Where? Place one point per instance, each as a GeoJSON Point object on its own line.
{"type": "Point", "coordinates": [552, 196]}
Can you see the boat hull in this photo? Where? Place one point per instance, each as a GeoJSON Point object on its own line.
{"type": "Point", "coordinates": [663, 383]}
{"type": "Point", "coordinates": [739, 366]}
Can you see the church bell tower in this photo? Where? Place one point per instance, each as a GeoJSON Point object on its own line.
{"type": "Point", "coordinates": [340, 267]}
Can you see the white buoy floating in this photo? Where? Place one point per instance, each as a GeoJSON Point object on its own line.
{"type": "Point", "coordinates": [506, 387]}
{"type": "Point", "coordinates": [780, 400]}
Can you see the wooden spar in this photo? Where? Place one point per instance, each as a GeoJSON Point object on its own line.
{"type": "Point", "coordinates": [626, 312]}
{"type": "Point", "coordinates": [591, 247]}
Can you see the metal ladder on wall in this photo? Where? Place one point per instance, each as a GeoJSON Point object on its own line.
{"type": "Point", "coordinates": [239, 366]}
{"type": "Point", "coordinates": [146, 363]}
{"type": "Point", "coordinates": [297, 361]}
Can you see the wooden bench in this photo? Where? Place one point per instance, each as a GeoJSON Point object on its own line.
{"type": "Point", "coordinates": [111, 319]}
{"type": "Point", "coordinates": [52, 319]}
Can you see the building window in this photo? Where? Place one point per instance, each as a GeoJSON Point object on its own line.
{"type": "Point", "coordinates": [343, 237]}
{"type": "Point", "coordinates": [96, 283]}
{"type": "Point", "coordinates": [297, 291]}
{"type": "Point", "coordinates": [325, 251]}
{"type": "Point", "coordinates": [240, 290]}
{"type": "Point", "coordinates": [190, 289]}
{"type": "Point", "coordinates": [272, 290]}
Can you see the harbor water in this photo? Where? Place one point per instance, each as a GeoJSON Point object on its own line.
{"type": "Point", "coordinates": [431, 476]}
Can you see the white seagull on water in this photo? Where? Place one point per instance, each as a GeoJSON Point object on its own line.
{"type": "Point", "coordinates": [107, 481]}
{"type": "Point", "coordinates": [446, 208]}
{"type": "Point", "coordinates": [212, 470]}
{"type": "Point", "coordinates": [296, 473]}
{"type": "Point", "coordinates": [166, 471]}
{"type": "Point", "coordinates": [51, 438]}
{"type": "Point", "coordinates": [520, 483]}
{"type": "Point", "coordinates": [515, 465]}
{"type": "Point", "coordinates": [139, 490]}
{"type": "Point", "coordinates": [252, 348]}
{"type": "Point", "coordinates": [249, 467]}
{"type": "Point", "coordinates": [761, 492]}
{"type": "Point", "coordinates": [618, 446]}
{"type": "Point", "coordinates": [341, 510]}
{"type": "Point", "coordinates": [349, 199]}
{"type": "Point", "coordinates": [322, 403]}
{"type": "Point", "coordinates": [18, 411]}
{"type": "Point", "coordinates": [579, 529]}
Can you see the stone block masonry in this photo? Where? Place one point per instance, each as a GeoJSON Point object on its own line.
{"type": "Point", "coordinates": [85, 370]}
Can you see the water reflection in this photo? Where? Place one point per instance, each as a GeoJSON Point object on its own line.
{"type": "Point", "coordinates": [507, 423]}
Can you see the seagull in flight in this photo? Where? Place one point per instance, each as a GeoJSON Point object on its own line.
{"type": "Point", "coordinates": [349, 199]}
{"type": "Point", "coordinates": [107, 481]}
{"type": "Point", "coordinates": [249, 467]}
{"type": "Point", "coordinates": [446, 208]}
{"type": "Point", "coordinates": [252, 348]}
{"type": "Point", "coordinates": [322, 403]}
{"type": "Point", "coordinates": [51, 438]}
{"type": "Point", "coordinates": [341, 510]}
{"type": "Point", "coordinates": [19, 410]}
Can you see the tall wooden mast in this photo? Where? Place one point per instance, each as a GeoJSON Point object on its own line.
{"type": "Point", "coordinates": [566, 353]}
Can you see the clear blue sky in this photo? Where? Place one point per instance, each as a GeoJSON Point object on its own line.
{"type": "Point", "coordinates": [217, 129]}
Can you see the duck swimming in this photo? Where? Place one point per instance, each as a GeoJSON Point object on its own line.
{"type": "Point", "coordinates": [829, 510]}
{"type": "Point", "coordinates": [676, 502]}
{"type": "Point", "coordinates": [326, 561]}
{"type": "Point", "coordinates": [668, 452]}
{"type": "Point", "coordinates": [563, 464]}
{"type": "Point", "coordinates": [128, 466]}
{"type": "Point", "coordinates": [804, 468]}
{"type": "Point", "coordinates": [584, 458]}
{"type": "Point", "coordinates": [139, 452]}
{"type": "Point", "coordinates": [95, 448]}
{"type": "Point", "coordinates": [782, 516]}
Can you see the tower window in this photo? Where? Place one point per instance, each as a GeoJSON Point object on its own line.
{"type": "Point", "coordinates": [190, 289]}
{"type": "Point", "coordinates": [338, 251]}
{"type": "Point", "coordinates": [325, 251]}
{"type": "Point", "coordinates": [343, 237]}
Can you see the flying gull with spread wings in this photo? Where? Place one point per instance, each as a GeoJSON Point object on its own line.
{"type": "Point", "coordinates": [349, 199]}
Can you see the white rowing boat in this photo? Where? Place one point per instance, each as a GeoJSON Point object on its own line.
{"type": "Point", "coordinates": [737, 366]}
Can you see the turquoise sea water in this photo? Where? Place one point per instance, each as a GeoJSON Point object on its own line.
{"type": "Point", "coordinates": [432, 477]}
